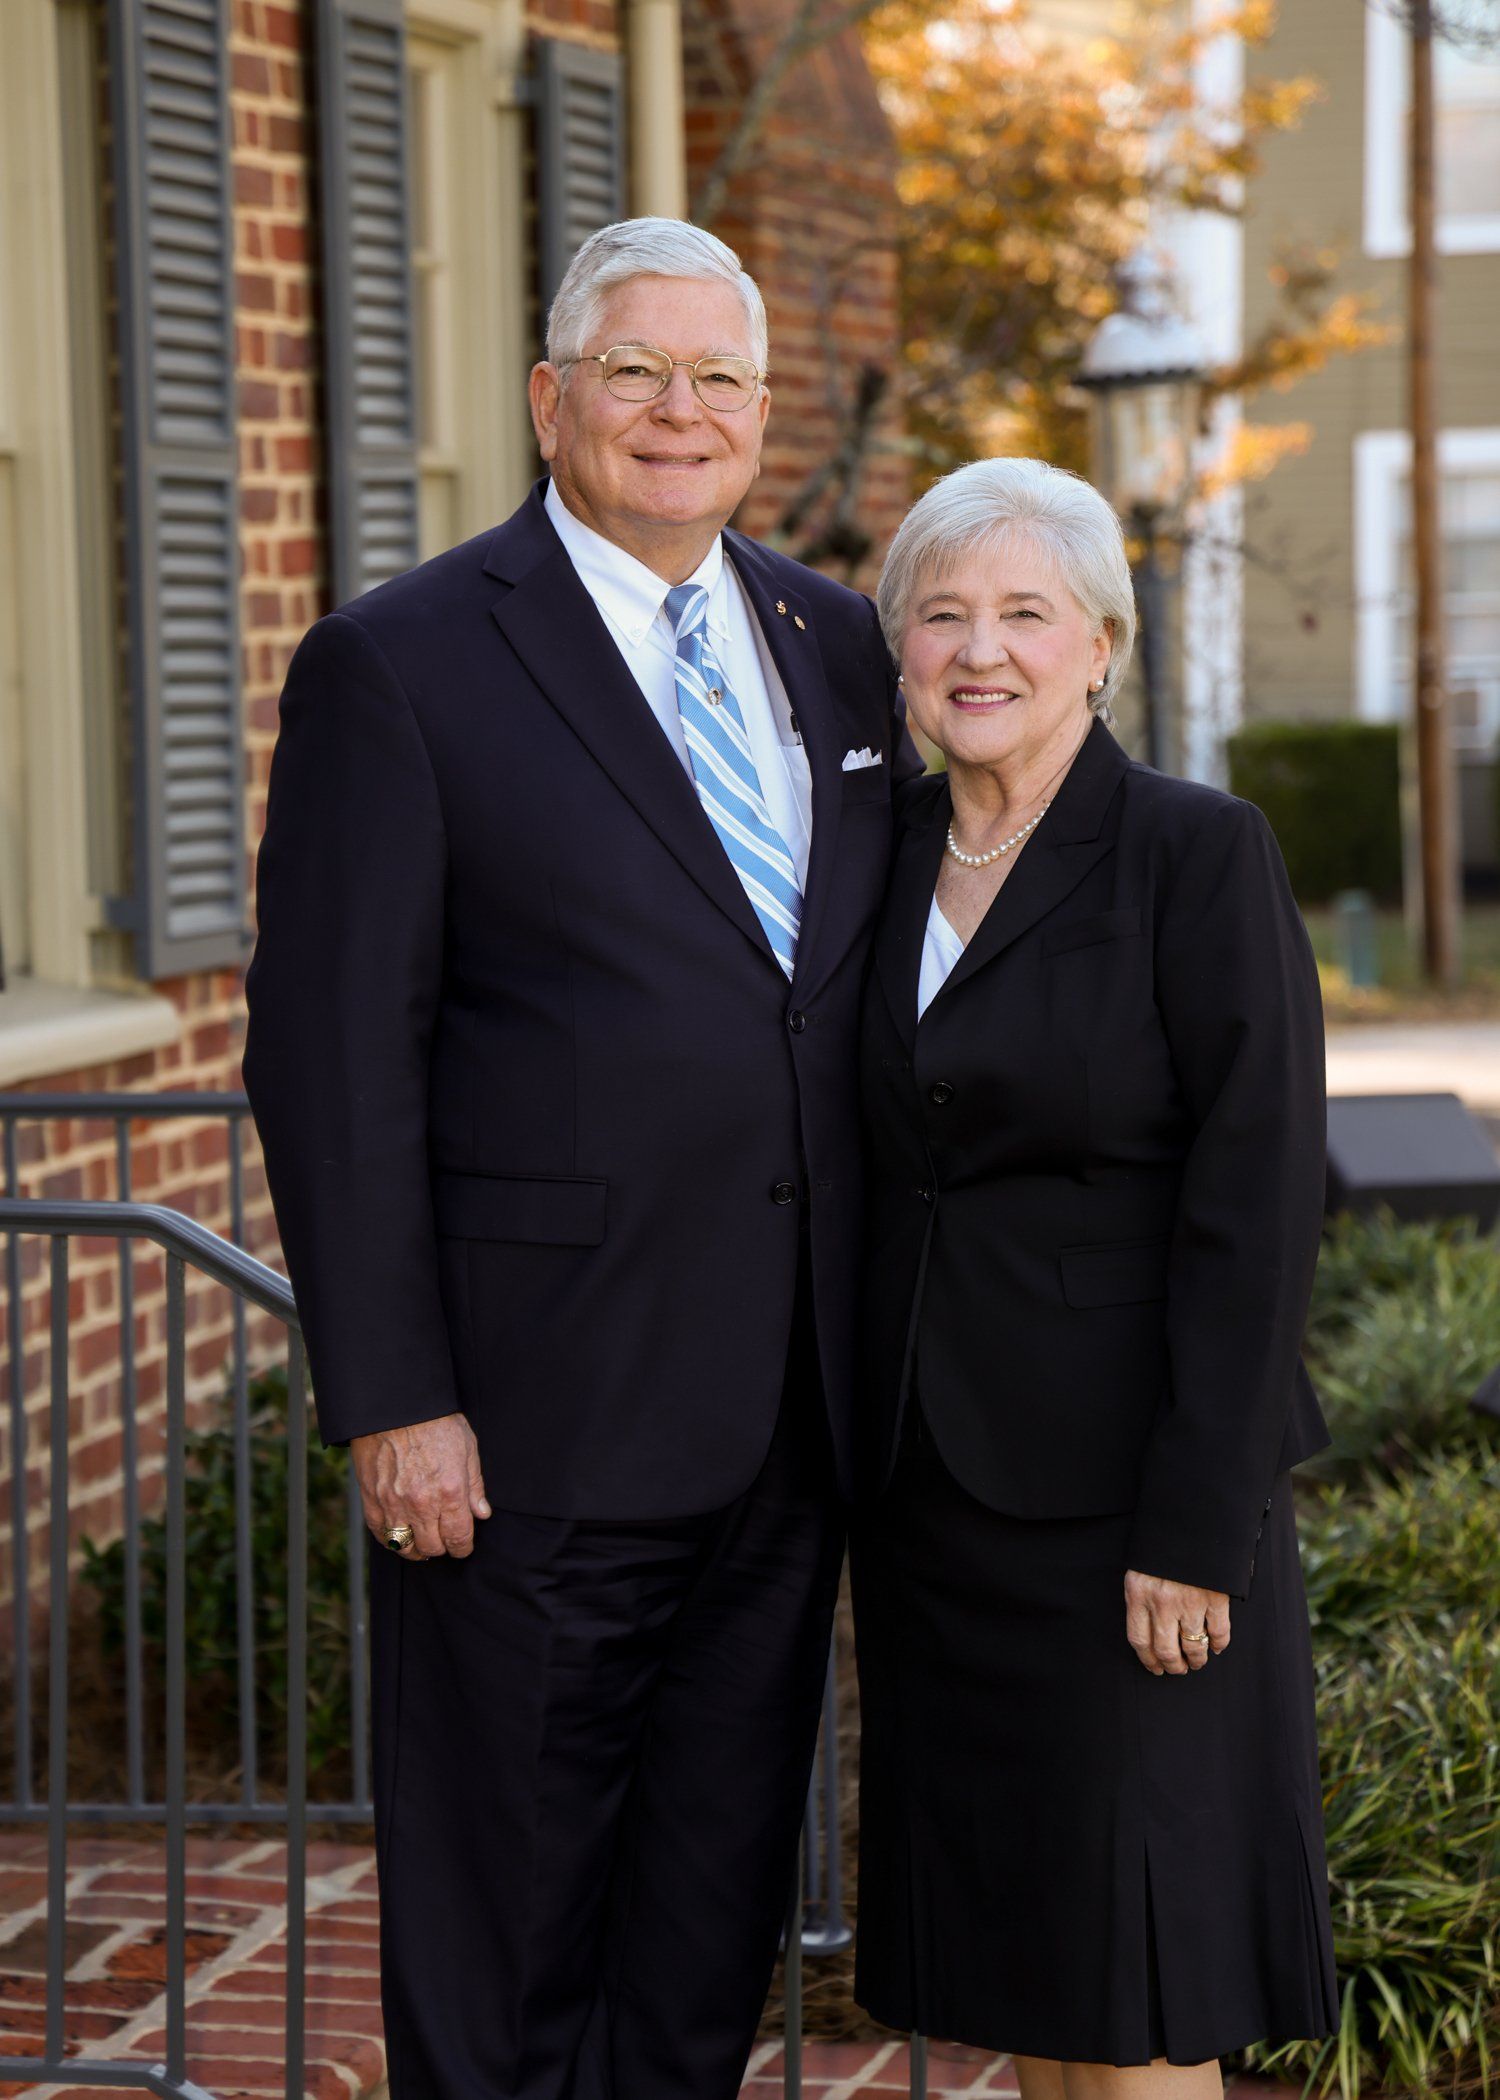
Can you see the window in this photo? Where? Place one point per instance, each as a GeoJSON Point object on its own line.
{"type": "Point", "coordinates": [62, 800]}
{"type": "Point", "coordinates": [434, 79]}
{"type": "Point", "coordinates": [1467, 89]}
{"type": "Point", "coordinates": [465, 137]}
{"type": "Point", "coordinates": [1470, 466]}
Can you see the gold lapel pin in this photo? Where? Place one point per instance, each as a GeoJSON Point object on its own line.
{"type": "Point", "coordinates": [800, 621]}
{"type": "Point", "coordinates": [780, 605]}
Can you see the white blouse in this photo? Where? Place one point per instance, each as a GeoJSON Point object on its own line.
{"type": "Point", "coordinates": [940, 951]}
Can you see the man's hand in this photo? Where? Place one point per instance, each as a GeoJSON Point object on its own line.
{"type": "Point", "coordinates": [1165, 1623]}
{"type": "Point", "coordinates": [426, 1475]}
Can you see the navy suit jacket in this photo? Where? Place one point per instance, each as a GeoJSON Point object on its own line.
{"type": "Point", "coordinates": [544, 1122]}
{"type": "Point", "coordinates": [1097, 1169]}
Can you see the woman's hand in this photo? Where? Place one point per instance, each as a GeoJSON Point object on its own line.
{"type": "Point", "coordinates": [1165, 1623]}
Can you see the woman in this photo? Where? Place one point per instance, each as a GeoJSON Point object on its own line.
{"type": "Point", "coordinates": [1093, 1073]}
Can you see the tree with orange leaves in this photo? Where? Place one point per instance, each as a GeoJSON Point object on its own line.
{"type": "Point", "coordinates": [1029, 164]}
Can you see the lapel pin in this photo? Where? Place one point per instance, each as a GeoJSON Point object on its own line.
{"type": "Point", "coordinates": [800, 621]}
{"type": "Point", "coordinates": [780, 605]}
{"type": "Point", "coordinates": [714, 696]}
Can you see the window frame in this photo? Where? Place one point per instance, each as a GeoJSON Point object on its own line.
{"type": "Point", "coordinates": [490, 460]}
{"type": "Point", "coordinates": [60, 909]}
{"type": "Point", "coordinates": [1382, 462]}
{"type": "Point", "coordinates": [1387, 221]}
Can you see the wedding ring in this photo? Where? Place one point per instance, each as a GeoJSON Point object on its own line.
{"type": "Point", "coordinates": [399, 1537]}
{"type": "Point", "coordinates": [1195, 1636]}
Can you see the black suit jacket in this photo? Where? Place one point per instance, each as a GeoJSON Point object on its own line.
{"type": "Point", "coordinates": [1097, 1168]}
{"type": "Point", "coordinates": [541, 1114]}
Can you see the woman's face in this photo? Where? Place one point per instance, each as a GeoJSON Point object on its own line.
{"type": "Point", "coordinates": [998, 657]}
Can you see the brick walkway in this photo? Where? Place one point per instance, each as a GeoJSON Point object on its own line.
{"type": "Point", "coordinates": [236, 1950]}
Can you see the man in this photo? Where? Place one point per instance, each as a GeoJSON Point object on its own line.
{"type": "Point", "coordinates": [575, 838]}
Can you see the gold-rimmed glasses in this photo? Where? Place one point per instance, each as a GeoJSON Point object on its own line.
{"type": "Point", "coordinates": [639, 372]}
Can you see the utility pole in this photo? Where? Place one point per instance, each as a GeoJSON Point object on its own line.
{"type": "Point", "coordinates": [1435, 776]}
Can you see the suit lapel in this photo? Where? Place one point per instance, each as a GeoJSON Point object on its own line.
{"type": "Point", "coordinates": [557, 631]}
{"type": "Point", "coordinates": [903, 923]}
{"type": "Point", "coordinates": [1067, 844]}
{"type": "Point", "coordinates": [794, 649]}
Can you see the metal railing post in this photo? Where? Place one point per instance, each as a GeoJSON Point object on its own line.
{"type": "Point", "coordinates": [296, 1717]}
{"type": "Point", "coordinates": [20, 1603]}
{"type": "Point", "coordinates": [176, 1773]}
{"type": "Point", "coordinates": [135, 1748]}
{"type": "Point", "coordinates": [244, 1569]}
{"type": "Point", "coordinates": [57, 1659]}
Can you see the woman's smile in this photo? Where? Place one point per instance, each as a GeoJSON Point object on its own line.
{"type": "Point", "coordinates": [982, 699]}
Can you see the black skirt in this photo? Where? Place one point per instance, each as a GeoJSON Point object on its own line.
{"type": "Point", "coordinates": [1060, 1854]}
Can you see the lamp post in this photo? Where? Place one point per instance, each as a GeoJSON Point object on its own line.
{"type": "Point", "coordinates": [1143, 372]}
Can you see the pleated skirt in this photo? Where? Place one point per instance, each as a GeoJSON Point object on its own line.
{"type": "Point", "coordinates": [1061, 1855]}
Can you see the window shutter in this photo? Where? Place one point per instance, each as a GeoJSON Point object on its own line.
{"type": "Point", "coordinates": [580, 152]}
{"type": "Point", "coordinates": [170, 111]}
{"type": "Point", "coordinates": [367, 312]}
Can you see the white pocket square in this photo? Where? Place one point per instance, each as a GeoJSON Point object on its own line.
{"type": "Point", "coordinates": [855, 760]}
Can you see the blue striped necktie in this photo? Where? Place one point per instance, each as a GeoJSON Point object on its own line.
{"type": "Point", "coordinates": [728, 784]}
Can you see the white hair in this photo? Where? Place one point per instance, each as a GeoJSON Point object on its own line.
{"type": "Point", "coordinates": [1058, 513]}
{"type": "Point", "coordinates": [645, 248]}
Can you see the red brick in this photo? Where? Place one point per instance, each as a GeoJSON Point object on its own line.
{"type": "Point", "coordinates": [282, 27]}
{"type": "Point", "coordinates": [249, 74]}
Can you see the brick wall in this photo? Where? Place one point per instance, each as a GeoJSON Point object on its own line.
{"type": "Point", "coordinates": [812, 216]}
{"type": "Point", "coordinates": [185, 1165]}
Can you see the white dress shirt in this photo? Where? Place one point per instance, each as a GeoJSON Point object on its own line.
{"type": "Point", "coordinates": [941, 949]}
{"type": "Point", "coordinates": [631, 598]}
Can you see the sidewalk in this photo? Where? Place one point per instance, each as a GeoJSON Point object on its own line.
{"type": "Point", "coordinates": [236, 1952]}
{"type": "Point", "coordinates": [1419, 1057]}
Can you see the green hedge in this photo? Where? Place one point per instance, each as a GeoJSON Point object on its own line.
{"type": "Point", "coordinates": [1331, 791]}
{"type": "Point", "coordinates": [1403, 1583]}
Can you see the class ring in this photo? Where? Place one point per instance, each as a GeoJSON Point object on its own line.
{"type": "Point", "coordinates": [399, 1537]}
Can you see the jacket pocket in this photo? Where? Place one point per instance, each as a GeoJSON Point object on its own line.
{"type": "Point", "coordinates": [1100, 926]}
{"type": "Point", "coordinates": [867, 784]}
{"type": "Point", "coordinates": [548, 1210]}
{"type": "Point", "coordinates": [1125, 1272]}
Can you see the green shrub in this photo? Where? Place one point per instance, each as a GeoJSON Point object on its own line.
{"type": "Point", "coordinates": [1405, 1324]}
{"type": "Point", "coordinates": [1331, 791]}
{"type": "Point", "coordinates": [1404, 1587]}
{"type": "Point", "coordinates": [212, 1609]}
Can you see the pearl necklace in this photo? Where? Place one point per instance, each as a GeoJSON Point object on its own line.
{"type": "Point", "coordinates": [983, 860]}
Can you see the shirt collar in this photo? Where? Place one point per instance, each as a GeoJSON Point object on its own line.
{"type": "Point", "coordinates": [628, 593]}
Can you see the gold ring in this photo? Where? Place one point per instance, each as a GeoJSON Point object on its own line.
{"type": "Point", "coordinates": [399, 1537]}
{"type": "Point", "coordinates": [1195, 1636]}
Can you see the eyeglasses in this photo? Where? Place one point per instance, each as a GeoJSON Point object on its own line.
{"type": "Point", "coordinates": [637, 372]}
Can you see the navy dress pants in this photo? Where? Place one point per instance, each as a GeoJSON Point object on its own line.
{"type": "Point", "coordinates": [592, 1746]}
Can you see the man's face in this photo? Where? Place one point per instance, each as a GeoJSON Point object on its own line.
{"type": "Point", "coordinates": [644, 471]}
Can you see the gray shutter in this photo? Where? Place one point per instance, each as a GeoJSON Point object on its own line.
{"type": "Point", "coordinates": [580, 108]}
{"type": "Point", "coordinates": [170, 107]}
{"type": "Point", "coordinates": [367, 311]}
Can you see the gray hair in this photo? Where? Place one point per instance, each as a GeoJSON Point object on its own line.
{"type": "Point", "coordinates": [1059, 513]}
{"type": "Point", "coordinates": [645, 248]}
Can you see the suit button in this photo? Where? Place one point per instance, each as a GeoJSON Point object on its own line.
{"type": "Point", "coordinates": [927, 1193]}
{"type": "Point", "coordinates": [796, 1020]}
{"type": "Point", "coordinates": [784, 1192]}
{"type": "Point", "coordinates": [941, 1094]}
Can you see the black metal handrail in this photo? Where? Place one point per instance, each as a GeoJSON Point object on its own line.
{"type": "Point", "coordinates": [185, 1244]}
